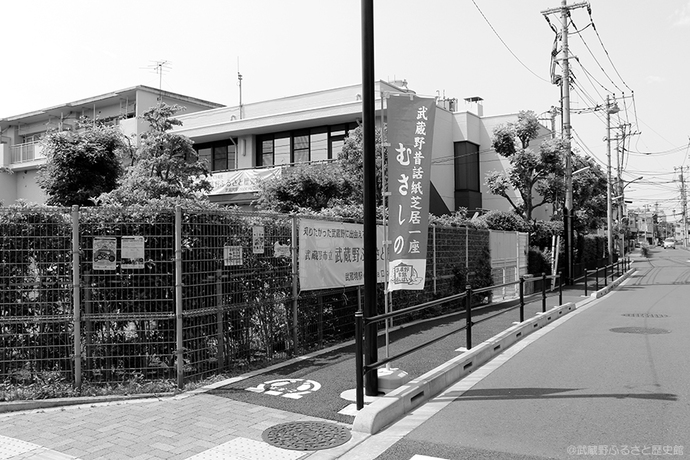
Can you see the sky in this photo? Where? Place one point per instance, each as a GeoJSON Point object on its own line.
{"type": "Point", "coordinates": [634, 51]}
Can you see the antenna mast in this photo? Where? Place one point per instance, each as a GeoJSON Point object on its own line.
{"type": "Point", "coordinates": [239, 82]}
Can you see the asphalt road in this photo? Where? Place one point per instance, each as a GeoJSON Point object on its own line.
{"type": "Point", "coordinates": [313, 386]}
{"type": "Point", "coordinates": [613, 380]}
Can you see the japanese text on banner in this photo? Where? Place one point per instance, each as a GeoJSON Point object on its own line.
{"type": "Point", "coordinates": [410, 133]}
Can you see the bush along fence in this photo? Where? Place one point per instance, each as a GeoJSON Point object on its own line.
{"type": "Point", "coordinates": [111, 295]}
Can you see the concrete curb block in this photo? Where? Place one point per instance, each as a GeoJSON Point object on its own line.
{"type": "Point", "coordinates": [615, 283]}
{"type": "Point", "coordinates": [391, 407]}
{"type": "Point", "coordinates": [36, 404]}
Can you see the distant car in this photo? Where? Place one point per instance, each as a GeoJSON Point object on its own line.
{"type": "Point", "coordinates": [669, 243]}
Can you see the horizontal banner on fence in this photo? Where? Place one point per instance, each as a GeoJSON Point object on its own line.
{"type": "Point", "coordinates": [331, 254]}
{"type": "Point", "coordinates": [243, 181]}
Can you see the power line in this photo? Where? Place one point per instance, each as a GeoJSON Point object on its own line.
{"type": "Point", "coordinates": [506, 45]}
{"type": "Point", "coordinates": [591, 20]}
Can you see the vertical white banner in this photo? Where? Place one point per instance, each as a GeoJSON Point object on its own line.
{"type": "Point", "coordinates": [410, 134]}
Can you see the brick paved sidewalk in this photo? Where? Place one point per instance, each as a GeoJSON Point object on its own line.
{"type": "Point", "coordinates": [200, 426]}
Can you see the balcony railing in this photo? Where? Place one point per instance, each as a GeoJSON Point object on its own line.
{"type": "Point", "coordinates": [24, 153]}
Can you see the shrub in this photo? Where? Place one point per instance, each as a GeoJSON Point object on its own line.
{"type": "Point", "coordinates": [538, 261]}
{"type": "Point", "coordinates": [504, 220]}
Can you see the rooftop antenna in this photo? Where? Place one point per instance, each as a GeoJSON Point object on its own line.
{"type": "Point", "coordinates": [239, 83]}
{"type": "Point", "coordinates": [160, 67]}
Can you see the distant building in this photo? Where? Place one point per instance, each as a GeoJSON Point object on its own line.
{"type": "Point", "coordinates": [238, 142]}
{"type": "Point", "coordinates": [245, 144]}
{"type": "Point", "coordinates": [21, 150]}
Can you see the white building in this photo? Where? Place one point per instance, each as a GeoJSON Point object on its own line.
{"type": "Point", "coordinates": [244, 143]}
{"type": "Point", "coordinates": [21, 150]}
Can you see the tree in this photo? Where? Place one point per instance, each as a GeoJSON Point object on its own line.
{"type": "Point", "coordinates": [529, 169]}
{"type": "Point", "coordinates": [589, 193]}
{"type": "Point", "coordinates": [165, 166]}
{"type": "Point", "coordinates": [351, 159]}
{"type": "Point", "coordinates": [83, 164]}
{"type": "Point", "coordinates": [336, 185]}
{"type": "Point", "coordinates": [312, 187]}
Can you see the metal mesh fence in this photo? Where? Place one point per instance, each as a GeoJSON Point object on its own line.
{"type": "Point", "coordinates": [35, 294]}
{"type": "Point", "coordinates": [216, 288]}
{"type": "Point", "coordinates": [127, 308]}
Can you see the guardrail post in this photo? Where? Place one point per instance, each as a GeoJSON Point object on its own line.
{"type": "Point", "coordinates": [586, 282]}
{"type": "Point", "coordinates": [596, 274]}
{"type": "Point", "coordinates": [468, 307]}
{"type": "Point", "coordinates": [522, 299]}
{"type": "Point", "coordinates": [560, 289]}
{"type": "Point", "coordinates": [606, 275]}
{"type": "Point", "coordinates": [359, 348]}
{"type": "Point", "coordinates": [543, 292]}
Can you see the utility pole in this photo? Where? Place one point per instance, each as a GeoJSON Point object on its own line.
{"type": "Point", "coordinates": [684, 204]}
{"type": "Point", "coordinates": [610, 110]}
{"type": "Point", "coordinates": [564, 10]}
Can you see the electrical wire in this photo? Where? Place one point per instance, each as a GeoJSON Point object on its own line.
{"type": "Point", "coordinates": [595, 58]}
{"type": "Point", "coordinates": [506, 45]}
{"type": "Point", "coordinates": [591, 20]}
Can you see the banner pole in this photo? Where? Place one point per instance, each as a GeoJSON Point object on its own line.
{"type": "Point", "coordinates": [369, 164]}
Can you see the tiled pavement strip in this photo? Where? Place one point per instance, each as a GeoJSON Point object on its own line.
{"type": "Point", "coordinates": [192, 425]}
{"type": "Point", "coordinates": [197, 426]}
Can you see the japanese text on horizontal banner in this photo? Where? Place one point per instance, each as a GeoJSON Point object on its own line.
{"type": "Point", "coordinates": [331, 254]}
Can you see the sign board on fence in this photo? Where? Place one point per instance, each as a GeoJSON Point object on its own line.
{"type": "Point", "coordinates": [232, 256]}
{"type": "Point", "coordinates": [132, 252]}
{"type": "Point", "coordinates": [281, 250]}
{"type": "Point", "coordinates": [258, 239]}
{"type": "Point", "coordinates": [331, 254]}
{"type": "Point", "coordinates": [104, 253]}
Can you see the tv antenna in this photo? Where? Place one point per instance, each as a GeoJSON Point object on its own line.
{"type": "Point", "coordinates": [239, 83]}
{"type": "Point", "coordinates": [160, 68]}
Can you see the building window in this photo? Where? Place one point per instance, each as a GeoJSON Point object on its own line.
{"type": "Point", "coordinates": [466, 166]}
{"type": "Point", "coordinates": [300, 147]}
{"type": "Point", "coordinates": [315, 144]}
{"type": "Point", "coordinates": [218, 156]}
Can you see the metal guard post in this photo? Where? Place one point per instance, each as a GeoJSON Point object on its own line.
{"type": "Point", "coordinates": [606, 275]}
{"type": "Point", "coordinates": [543, 292]}
{"type": "Point", "coordinates": [586, 282]}
{"type": "Point", "coordinates": [522, 299]}
{"type": "Point", "coordinates": [468, 306]}
{"type": "Point", "coordinates": [560, 289]}
{"type": "Point", "coordinates": [359, 365]}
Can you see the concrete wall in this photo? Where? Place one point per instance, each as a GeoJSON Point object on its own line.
{"type": "Point", "coordinates": [442, 167]}
{"type": "Point", "coordinates": [27, 187]}
{"type": "Point", "coordinates": [8, 188]}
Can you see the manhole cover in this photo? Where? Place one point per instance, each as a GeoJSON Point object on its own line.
{"type": "Point", "coordinates": [640, 330]}
{"type": "Point", "coordinates": [645, 315]}
{"type": "Point", "coordinates": [306, 435]}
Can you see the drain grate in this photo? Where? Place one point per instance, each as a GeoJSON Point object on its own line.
{"type": "Point", "coordinates": [645, 315]}
{"type": "Point", "coordinates": [306, 435]}
{"type": "Point", "coordinates": [640, 330]}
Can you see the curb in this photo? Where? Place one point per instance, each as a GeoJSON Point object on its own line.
{"type": "Point", "coordinates": [389, 408]}
{"type": "Point", "coordinates": [35, 404]}
{"type": "Point", "coordinates": [392, 406]}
